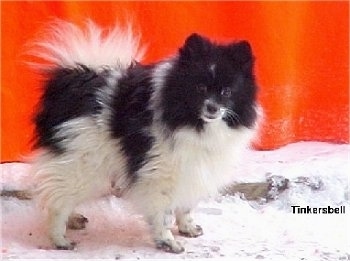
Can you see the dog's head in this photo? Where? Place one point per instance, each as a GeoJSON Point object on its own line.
{"type": "Point", "coordinates": [210, 82]}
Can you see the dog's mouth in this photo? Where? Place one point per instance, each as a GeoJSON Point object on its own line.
{"type": "Point", "coordinates": [209, 118]}
{"type": "Point", "coordinates": [212, 111]}
{"type": "Point", "coordinates": [212, 117]}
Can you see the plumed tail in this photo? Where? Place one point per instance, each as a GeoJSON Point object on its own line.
{"type": "Point", "coordinates": [67, 45]}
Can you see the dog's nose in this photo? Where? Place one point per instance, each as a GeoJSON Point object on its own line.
{"type": "Point", "coordinates": [212, 108]}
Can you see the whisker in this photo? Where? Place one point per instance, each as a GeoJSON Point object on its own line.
{"type": "Point", "coordinates": [233, 116]}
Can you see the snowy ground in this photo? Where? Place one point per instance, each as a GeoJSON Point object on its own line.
{"type": "Point", "coordinates": [234, 229]}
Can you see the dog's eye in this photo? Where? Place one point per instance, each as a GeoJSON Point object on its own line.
{"type": "Point", "coordinates": [201, 88]}
{"type": "Point", "coordinates": [226, 92]}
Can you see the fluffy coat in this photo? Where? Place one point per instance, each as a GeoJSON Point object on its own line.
{"type": "Point", "coordinates": [164, 135]}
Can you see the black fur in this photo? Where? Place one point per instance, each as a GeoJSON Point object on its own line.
{"type": "Point", "coordinates": [181, 100]}
{"type": "Point", "coordinates": [73, 93]}
{"type": "Point", "coordinates": [131, 117]}
{"type": "Point", "coordinates": [68, 94]}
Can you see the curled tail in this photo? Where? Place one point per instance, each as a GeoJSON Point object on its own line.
{"type": "Point", "coordinates": [73, 57]}
{"type": "Point", "coordinates": [68, 46]}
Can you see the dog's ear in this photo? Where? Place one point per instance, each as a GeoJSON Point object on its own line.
{"type": "Point", "coordinates": [195, 47]}
{"type": "Point", "coordinates": [242, 55]}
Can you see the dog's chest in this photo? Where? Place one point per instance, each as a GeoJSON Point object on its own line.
{"type": "Point", "coordinates": [205, 161]}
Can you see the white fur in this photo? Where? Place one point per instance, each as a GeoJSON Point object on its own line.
{"type": "Point", "coordinates": [185, 167]}
{"type": "Point", "coordinates": [85, 171]}
{"type": "Point", "coordinates": [198, 164]}
{"type": "Point", "coordinates": [67, 45]}
{"type": "Point", "coordinates": [159, 75]}
{"type": "Point", "coordinates": [190, 167]}
{"type": "Point", "coordinates": [206, 162]}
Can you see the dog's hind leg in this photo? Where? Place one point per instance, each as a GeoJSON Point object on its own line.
{"type": "Point", "coordinates": [62, 184]}
{"type": "Point", "coordinates": [58, 218]}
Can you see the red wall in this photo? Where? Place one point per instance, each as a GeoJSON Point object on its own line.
{"type": "Point", "coordinates": [302, 52]}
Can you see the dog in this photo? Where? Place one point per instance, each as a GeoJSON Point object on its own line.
{"type": "Point", "coordinates": [164, 135]}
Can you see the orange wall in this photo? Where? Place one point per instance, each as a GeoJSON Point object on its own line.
{"type": "Point", "coordinates": [302, 51]}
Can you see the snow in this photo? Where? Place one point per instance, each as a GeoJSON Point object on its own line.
{"type": "Point", "coordinates": [234, 228]}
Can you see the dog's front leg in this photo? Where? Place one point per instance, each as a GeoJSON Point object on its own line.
{"type": "Point", "coordinates": [154, 199]}
{"type": "Point", "coordinates": [186, 225]}
{"type": "Point", "coordinates": [161, 224]}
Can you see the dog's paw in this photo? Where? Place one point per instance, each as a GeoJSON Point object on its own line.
{"type": "Point", "coordinates": [191, 231]}
{"type": "Point", "coordinates": [170, 246]}
{"type": "Point", "coordinates": [66, 246]}
{"type": "Point", "coordinates": [77, 221]}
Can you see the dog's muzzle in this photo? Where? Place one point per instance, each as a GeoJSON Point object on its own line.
{"type": "Point", "coordinates": [212, 111]}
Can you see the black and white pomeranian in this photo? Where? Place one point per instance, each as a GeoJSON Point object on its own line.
{"type": "Point", "coordinates": [164, 135]}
